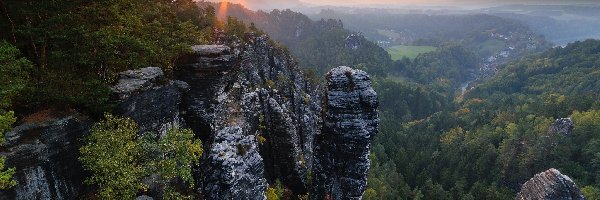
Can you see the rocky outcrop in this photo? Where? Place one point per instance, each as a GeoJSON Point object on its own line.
{"type": "Point", "coordinates": [256, 115]}
{"type": "Point", "coordinates": [350, 121]}
{"type": "Point", "coordinates": [562, 126]}
{"type": "Point", "coordinates": [45, 154]}
{"type": "Point", "coordinates": [353, 41]}
{"type": "Point", "coordinates": [135, 81]}
{"type": "Point", "coordinates": [150, 99]}
{"type": "Point", "coordinates": [258, 118]}
{"type": "Point", "coordinates": [549, 185]}
{"type": "Point", "coordinates": [234, 169]}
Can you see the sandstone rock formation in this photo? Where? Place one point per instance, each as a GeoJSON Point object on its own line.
{"type": "Point", "coordinates": [45, 154]}
{"type": "Point", "coordinates": [152, 101]}
{"type": "Point", "coordinates": [256, 113]}
{"type": "Point", "coordinates": [562, 126]}
{"type": "Point", "coordinates": [133, 81]}
{"type": "Point", "coordinates": [353, 41]}
{"type": "Point", "coordinates": [259, 120]}
{"type": "Point", "coordinates": [549, 185]}
{"type": "Point", "coordinates": [342, 149]}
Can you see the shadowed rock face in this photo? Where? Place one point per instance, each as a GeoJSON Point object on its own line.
{"type": "Point", "coordinates": [342, 149]}
{"type": "Point", "coordinates": [256, 114]}
{"type": "Point", "coordinates": [152, 101]}
{"type": "Point", "coordinates": [549, 185]}
{"type": "Point", "coordinates": [45, 155]}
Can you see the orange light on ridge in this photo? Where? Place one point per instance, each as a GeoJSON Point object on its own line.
{"type": "Point", "coordinates": [223, 9]}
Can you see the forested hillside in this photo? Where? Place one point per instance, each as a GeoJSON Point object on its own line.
{"type": "Point", "coordinates": [493, 40]}
{"type": "Point", "coordinates": [485, 144]}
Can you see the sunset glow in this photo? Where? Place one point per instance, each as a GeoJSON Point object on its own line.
{"type": "Point", "coordinates": [223, 9]}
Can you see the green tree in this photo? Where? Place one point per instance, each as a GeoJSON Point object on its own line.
{"type": "Point", "coordinates": [276, 191]}
{"type": "Point", "coordinates": [118, 159]}
{"type": "Point", "coordinates": [13, 79]}
{"type": "Point", "coordinates": [13, 73]}
{"type": "Point", "coordinates": [591, 193]}
{"type": "Point", "coordinates": [172, 157]}
{"type": "Point", "coordinates": [6, 121]}
{"type": "Point", "coordinates": [112, 154]}
{"type": "Point", "coordinates": [78, 47]}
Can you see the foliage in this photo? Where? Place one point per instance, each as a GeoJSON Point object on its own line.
{"type": "Point", "coordinates": [112, 154]}
{"type": "Point", "coordinates": [271, 194]}
{"type": "Point", "coordinates": [172, 156]}
{"type": "Point", "coordinates": [488, 144]}
{"type": "Point", "coordinates": [13, 79]}
{"type": "Point", "coordinates": [275, 192]}
{"type": "Point", "coordinates": [450, 62]}
{"type": "Point", "coordinates": [78, 47]}
{"type": "Point", "coordinates": [591, 193]}
{"type": "Point", "coordinates": [6, 121]}
{"type": "Point", "coordinates": [400, 51]}
{"type": "Point", "coordinates": [118, 159]}
{"type": "Point", "coordinates": [13, 73]}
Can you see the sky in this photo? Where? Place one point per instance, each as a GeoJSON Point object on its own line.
{"type": "Point", "coordinates": [271, 4]}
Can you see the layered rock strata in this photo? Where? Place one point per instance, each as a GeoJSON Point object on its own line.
{"type": "Point", "coordinates": [45, 155]}
{"type": "Point", "coordinates": [255, 112]}
{"type": "Point", "coordinates": [350, 122]}
{"type": "Point", "coordinates": [549, 185]}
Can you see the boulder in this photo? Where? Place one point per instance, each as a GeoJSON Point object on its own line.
{"type": "Point", "coordinates": [562, 126]}
{"type": "Point", "coordinates": [550, 185]}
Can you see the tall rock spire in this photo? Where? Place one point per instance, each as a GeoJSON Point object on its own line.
{"type": "Point", "coordinates": [350, 121]}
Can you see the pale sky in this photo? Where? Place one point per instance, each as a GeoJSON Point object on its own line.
{"type": "Point", "coordinates": [270, 4]}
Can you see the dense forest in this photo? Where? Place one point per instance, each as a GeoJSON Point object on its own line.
{"type": "Point", "coordinates": [76, 48]}
{"type": "Point", "coordinates": [485, 143]}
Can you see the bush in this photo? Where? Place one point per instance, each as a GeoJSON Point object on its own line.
{"type": "Point", "coordinates": [118, 159]}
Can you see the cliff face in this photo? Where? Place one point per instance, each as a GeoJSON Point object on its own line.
{"type": "Point", "coordinates": [342, 149]}
{"type": "Point", "coordinates": [249, 103]}
{"type": "Point", "coordinates": [549, 185]}
{"type": "Point", "coordinates": [45, 155]}
{"type": "Point", "coordinates": [255, 112]}
{"type": "Point", "coordinates": [150, 99]}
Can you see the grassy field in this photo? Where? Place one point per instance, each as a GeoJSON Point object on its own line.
{"type": "Point", "coordinates": [399, 51]}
